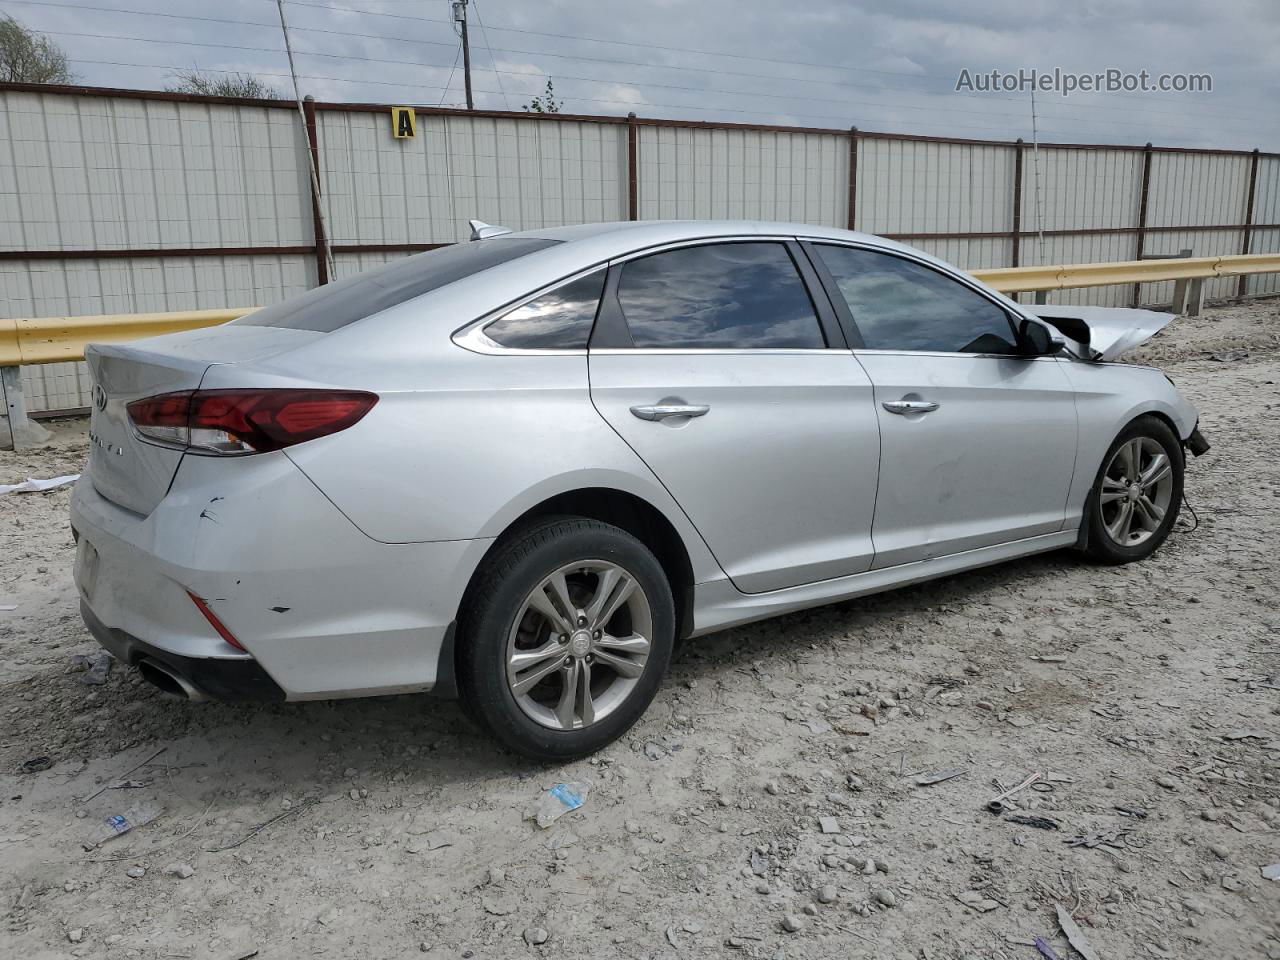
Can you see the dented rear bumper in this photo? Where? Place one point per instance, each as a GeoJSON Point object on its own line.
{"type": "Point", "coordinates": [321, 609]}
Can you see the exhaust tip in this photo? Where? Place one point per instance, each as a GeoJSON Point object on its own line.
{"type": "Point", "coordinates": [168, 682]}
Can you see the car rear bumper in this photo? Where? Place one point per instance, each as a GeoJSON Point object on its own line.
{"type": "Point", "coordinates": [321, 609]}
{"type": "Point", "coordinates": [229, 680]}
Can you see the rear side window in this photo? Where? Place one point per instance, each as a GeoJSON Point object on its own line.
{"type": "Point", "coordinates": [335, 305]}
{"type": "Point", "coordinates": [724, 295]}
{"type": "Point", "coordinates": [901, 305]}
{"type": "Point", "coordinates": [558, 320]}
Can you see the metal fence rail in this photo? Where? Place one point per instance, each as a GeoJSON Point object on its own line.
{"type": "Point", "coordinates": [123, 202]}
{"type": "Point", "coordinates": [41, 340]}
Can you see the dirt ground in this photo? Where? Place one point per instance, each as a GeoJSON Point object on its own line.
{"type": "Point", "coordinates": [780, 768]}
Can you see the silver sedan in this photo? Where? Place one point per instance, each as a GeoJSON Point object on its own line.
{"type": "Point", "coordinates": [520, 469]}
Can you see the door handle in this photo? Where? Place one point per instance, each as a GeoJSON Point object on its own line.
{"type": "Point", "coordinates": [664, 411]}
{"type": "Point", "coordinates": [903, 407]}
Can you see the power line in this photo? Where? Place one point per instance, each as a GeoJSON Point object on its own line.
{"type": "Point", "coordinates": [1218, 114]}
{"type": "Point", "coordinates": [843, 118]}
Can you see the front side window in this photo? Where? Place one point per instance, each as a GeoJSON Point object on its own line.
{"type": "Point", "coordinates": [558, 320]}
{"type": "Point", "coordinates": [724, 295]}
{"type": "Point", "coordinates": [898, 304]}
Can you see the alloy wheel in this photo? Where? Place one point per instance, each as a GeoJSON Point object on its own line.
{"type": "Point", "coordinates": [579, 644]}
{"type": "Point", "coordinates": [1136, 491]}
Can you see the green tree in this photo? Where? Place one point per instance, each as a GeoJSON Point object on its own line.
{"type": "Point", "coordinates": [546, 102]}
{"type": "Point", "coordinates": [30, 57]}
{"type": "Point", "coordinates": [244, 85]}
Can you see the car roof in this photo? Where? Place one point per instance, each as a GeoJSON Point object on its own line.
{"type": "Point", "coordinates": [619, 237]}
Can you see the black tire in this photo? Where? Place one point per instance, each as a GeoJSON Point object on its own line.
{"type": "Point", "coordinates": [1100, 545]}
{"type": "Point", "coordinates": [497, 597]}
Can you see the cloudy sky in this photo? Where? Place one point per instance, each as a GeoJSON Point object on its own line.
{"type": "Point", "coordinates": [879, 65]}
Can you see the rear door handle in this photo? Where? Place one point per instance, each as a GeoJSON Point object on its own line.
{"type": "Point", "coordinates": [664, 411]}
{"type": "Point", "coordinates": [902, 407]}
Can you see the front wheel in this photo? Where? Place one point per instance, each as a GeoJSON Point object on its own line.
{"type": "Point", "coordinates": [1136, 496]}
{"type": "Point", "coordinates": [565, 639]}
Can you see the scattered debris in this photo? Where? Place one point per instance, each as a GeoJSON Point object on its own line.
{"type": "Point", "coordinates": [137, 766]}
{"type": "Point", "coordinates": [1130, 812]}
{"type": "Point", "coordinates": [8, 607]}
{"type": "Point", "coordinates": [97, 667]}
{"type": "Point", "coordinates": [1040, 823]}
{"type": "Point", "coordinates": [36, 765]}
{"type": "Point", "coordinates": [118, 824]}
{"type": "Point", "coordinates": [1271, 872]}
{"type": "Point", "coordinates": [536, 936]}
{"type": "Point", "coordinates": [180, 870]}
{"type": "Point", "coordinates": [938, 776]}
{"type": "Point", "coordinates": [1110, 838]}
{"type": "Point", "coordinates": [996, 804]}
{"type": "Point", "coordinates": [1245, 735]}
{"type": "Point", "coordinates": [1046, 951]}
{"type": "Point", "coordinates": [435, 840]}
{"type": "Point", "coordinates": [829, 824]}
{"type": "Point", "coordinates": [976, 901]}
{"type": "Point", "coordinates": [257, 830]}
{"type": "Point", "coordinates": [1051, 658]}
{"type": "Point", "coordinates": [33, 485]}
{"type": "Point", "coordinates": [558, 801]}
{"type": "Point", "coordinates": [1075, 936]}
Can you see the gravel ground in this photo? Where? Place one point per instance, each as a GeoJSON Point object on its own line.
{"type": "Point", "coordinates": [773, 802]}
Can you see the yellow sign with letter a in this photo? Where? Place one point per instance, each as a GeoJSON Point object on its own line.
{"type": "Point", "coordinates": [404, 123]}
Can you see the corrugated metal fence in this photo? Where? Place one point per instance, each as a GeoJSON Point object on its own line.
{"type": "Point", "coordinates": [130, 201]}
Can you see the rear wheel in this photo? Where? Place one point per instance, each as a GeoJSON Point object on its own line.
{"type": "Point", "coordinates": [566, 637]}
{"type": "Point", "coordinates": [1136, 496]}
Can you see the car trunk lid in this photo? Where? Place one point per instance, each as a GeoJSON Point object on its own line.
{"type": "Point", "coordinates": [124, 468]}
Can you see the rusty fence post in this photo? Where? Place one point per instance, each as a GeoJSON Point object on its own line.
{"type": "Point", "coordinates": [1142, 213]}
{"type": "Point", "coordinates": [317, 221]}
{"type": "Point", "coordinates": [1015, 235]}
{"type": "Point", "coordinates": [633, 174]}
{"type": "Point", "coordinates": [853, 178]}
{"type": "Point", "coordinates": [1242, 287]}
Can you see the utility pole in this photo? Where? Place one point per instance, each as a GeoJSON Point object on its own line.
{"type": "Point", "coordinates": [460, 16]}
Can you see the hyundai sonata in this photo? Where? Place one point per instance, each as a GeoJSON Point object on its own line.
{"type": "Point", "coordinates": [520, 469]}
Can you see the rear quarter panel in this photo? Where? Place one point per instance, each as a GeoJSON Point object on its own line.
{"type": "Point", "coordinates": [460, 444]}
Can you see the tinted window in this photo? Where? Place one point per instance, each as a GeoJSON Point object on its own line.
{"type": "Point", "coordinates": [724, 295]}
{"type": "Point", "coordinates": [901, 305]}
{"type": "Point", "coordinates": [559, 320]}
{"type": "Point", "coordinates": [335, 305]}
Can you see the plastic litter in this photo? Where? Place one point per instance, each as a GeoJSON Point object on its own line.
{"type": "Point", "coordinates": [1271, 872]}
{"type": "Point", "coordinates": [118, 824]}
{"type": "Point", "coordinates": [1075, 936]}
{"type": "Point", "coordinates": [36, 764]}
{"type": "Point", "coordinates": [33, 485]}
{"type": "Point", "coordinates": [558, 801]}
{"type": "Point", "coordinates": [1046, 951]}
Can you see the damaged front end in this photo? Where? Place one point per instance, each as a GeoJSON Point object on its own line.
{"type": "Point", "coordinates": [1102, 333]}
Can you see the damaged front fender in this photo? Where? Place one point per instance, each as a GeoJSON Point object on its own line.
{"type": "Point", "coordinates": [1102, 333]}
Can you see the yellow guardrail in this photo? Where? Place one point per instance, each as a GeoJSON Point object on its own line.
{"type": "Point", "coordinates": [56, 339]}
{"type": "Point", "coordinates": [1065, 276]}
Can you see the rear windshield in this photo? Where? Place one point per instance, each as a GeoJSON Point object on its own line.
{"type": "Point", "coordinates": [335, 305]}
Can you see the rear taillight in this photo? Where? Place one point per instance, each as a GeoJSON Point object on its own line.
{"type": "Point", "coordinates": [247, 421]}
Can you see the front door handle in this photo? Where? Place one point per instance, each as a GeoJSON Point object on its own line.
{"type": "Point", "coordinates": [665, 411]}
{"type": "Point", "coordinates": [903, 407]}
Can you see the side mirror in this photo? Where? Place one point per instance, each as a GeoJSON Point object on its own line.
{"type": "Point", "coordinates": [1036, 340]}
